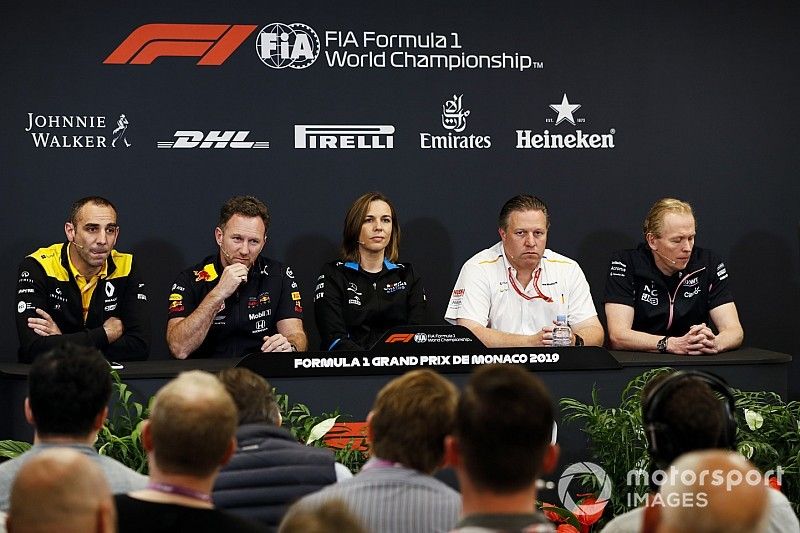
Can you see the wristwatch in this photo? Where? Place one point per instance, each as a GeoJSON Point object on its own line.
{"type": "Point", "coordinates": [578, 340]}
{"type": "Point", "coordinates": [662, 345]}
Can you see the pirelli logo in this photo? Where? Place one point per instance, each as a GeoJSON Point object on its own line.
{"type": "Point", "coordinates": [399, 337]}
{"type": "Point", "coordinates": [212, 43]}
{"type": "Point", "coordinates": [349, 136]}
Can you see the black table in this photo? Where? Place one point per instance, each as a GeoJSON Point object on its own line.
{"type": "Point", "coordinates": [353, 389]}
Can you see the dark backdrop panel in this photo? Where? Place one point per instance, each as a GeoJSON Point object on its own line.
{"type": "Point", "coordinates": [701, 99]}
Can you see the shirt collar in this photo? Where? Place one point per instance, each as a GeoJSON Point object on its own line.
{"type": "Point", "coordinates": [75, 273]}
{"type": "Point", "coordinates": [501, 252]}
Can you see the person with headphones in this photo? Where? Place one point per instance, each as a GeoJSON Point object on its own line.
{"type": "Point", "coordinates": [662, 296]}
{"type": "Point", "coordinates": [367, 292]}
{"type": "Point", "coordinates": [83, 290]}
{"type": "Point", "coordinates": [682, 414]}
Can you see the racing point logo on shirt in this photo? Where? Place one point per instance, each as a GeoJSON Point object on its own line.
{"type": "Point", "coordinates": [650, 295]}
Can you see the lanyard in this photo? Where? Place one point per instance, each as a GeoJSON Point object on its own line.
{"type": "Point", "coordinates": [539, 293]}
{"type": "Point", "coordinates": [169, 488]}
{"type": "Point", "coordinates": [380, 463]}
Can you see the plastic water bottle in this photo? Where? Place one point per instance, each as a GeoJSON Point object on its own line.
{"type": "Point", "coordinates": [562, 333]}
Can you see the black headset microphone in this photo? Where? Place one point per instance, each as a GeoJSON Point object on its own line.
{"type": "Point", "coordinates": [664, 257]}
{"type": "Point", "coordinates": [73, 241]}
{"type": "Point", "coordinates": [226, 254]}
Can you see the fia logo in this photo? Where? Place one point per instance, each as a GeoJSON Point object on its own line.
{"type": "Point", "coordinates": [287, 45]}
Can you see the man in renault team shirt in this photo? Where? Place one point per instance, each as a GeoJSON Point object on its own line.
{"type": "Point", "coordinates": [83, 290]}
{"type": "Point", "coordinates": [236, 301]}
{"type": "Point", "coordinates": [511, 293]}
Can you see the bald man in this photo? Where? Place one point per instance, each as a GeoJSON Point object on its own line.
{"type": "Point", "coordinates": [737, 504]}
{"type": "Point", "coordinates": [61, 490]}
{"type": "Point", "coordinates": [190, 435]}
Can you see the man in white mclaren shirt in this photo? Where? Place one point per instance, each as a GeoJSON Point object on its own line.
{"type": "Point", "coordinates": [511, 293]}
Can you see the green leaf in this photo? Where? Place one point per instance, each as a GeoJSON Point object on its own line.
{"type": "Point", "coordinates": [13, 448]}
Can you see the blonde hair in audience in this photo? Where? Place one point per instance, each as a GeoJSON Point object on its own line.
{"type": "Point", "coordinates": [331, 517]}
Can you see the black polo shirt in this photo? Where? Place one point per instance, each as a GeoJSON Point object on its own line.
{"type": "Point", "coordinates": [667, 305]}
{"type": "Point", "coordinates": [270, 294]}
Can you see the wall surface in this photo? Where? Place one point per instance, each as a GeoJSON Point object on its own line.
{"type": "Point", "coordinates": [685, 100]}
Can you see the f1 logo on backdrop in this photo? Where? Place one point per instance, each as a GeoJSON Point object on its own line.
{"type": "Point", "coordinates": [212, 43]}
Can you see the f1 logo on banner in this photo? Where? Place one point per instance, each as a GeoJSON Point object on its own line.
{"type": "Point", "coordinates": [212, 43]}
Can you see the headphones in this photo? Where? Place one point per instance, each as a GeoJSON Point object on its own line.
{"type": "Point", "coordinates": [659, 442]}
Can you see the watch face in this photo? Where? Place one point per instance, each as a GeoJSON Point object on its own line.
{"type": "Point", "coordinates": [662, 345]}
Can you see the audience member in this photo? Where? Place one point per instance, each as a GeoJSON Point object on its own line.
{"type": "Point", "coordinates": [500, 445]}
{"type": "Point", "coordinates": [681, 414]}
{"type": "Point", "coordinates": [330, 517]}
{"type": "Point", "coordinates": [68, 393]}
{"type": "Point", "coordinates": [734, 502]}
{"type": "Point", "coordinates": [395, 491]}
{"type": "Point", "coordinates": [270, 469]}
{"type": "Point", "coordinates": [61, 490]}
{"type": "Point", "coordinates": [189, 436]}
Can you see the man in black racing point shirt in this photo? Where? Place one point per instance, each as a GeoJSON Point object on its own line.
{"type": "Point", "coordinates": [660, 296]}
{"type": "Point", "coordinates": [236, 301]}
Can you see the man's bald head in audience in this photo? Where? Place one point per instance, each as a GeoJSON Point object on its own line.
{"type": "Point", "coordinates": [60, 490]}
{"type": "Point", "coordinates": [733, 501]}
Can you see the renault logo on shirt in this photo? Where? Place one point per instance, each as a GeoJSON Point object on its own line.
{"type": "Point", "coordinates": [109, 289]}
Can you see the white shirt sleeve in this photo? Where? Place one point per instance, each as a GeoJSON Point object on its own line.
{"type": "Point", "coordinates": [471, 297]}
{"type": "Point", "coordinates": [342, 472]}
{"type": "Point", "coordinates": [580, 305]}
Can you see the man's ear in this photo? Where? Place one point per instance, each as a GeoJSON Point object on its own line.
{"type": "Point", "coordinates": [29, 412]}
{"type": "Point", "coordinates": [550, 458]}
{"type": "Point", "coordinates": [229, 452]}
{"type": "Point", "coordinates": [100, 419]}
{"type": "Point", "coordinates": [651, 240]}
{"type": "Point", "coordinates": [369, 427]}
{"type": "Point", "coordinates": [452, 452]}
{"type": "Point", "coordinates": [218, 235]}
{"type": "Point", "coordinates": [69, 230]}
{"type": "Point", "coordinates": [147, 437]}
